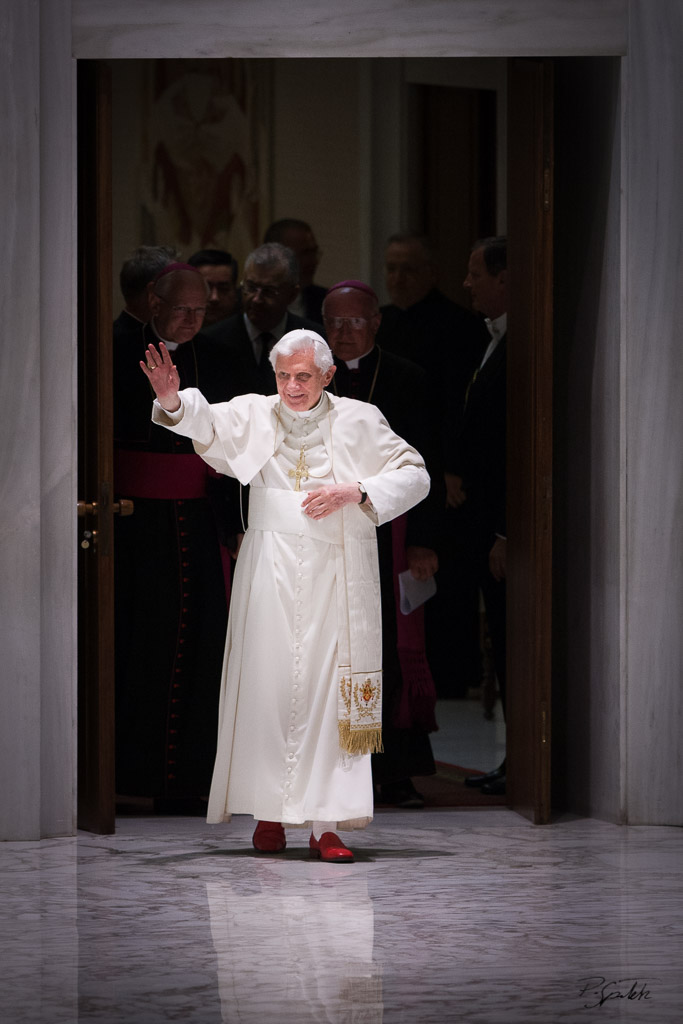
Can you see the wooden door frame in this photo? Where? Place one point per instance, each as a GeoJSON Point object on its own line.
{"type": "Point", "coordinates": [530, 439]}
{"type": "Point", "coordinates": [530, 429]}
{"type": "Point", "coordinates": [96, 768]}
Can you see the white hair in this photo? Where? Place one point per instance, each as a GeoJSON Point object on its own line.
{"type": "Point", "coordinates": [303, 341]}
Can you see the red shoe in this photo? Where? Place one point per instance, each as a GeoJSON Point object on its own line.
{"type": "Point", "coordinates": [330, 848]}
{"type": "Point", "coordinates": [269, 837]}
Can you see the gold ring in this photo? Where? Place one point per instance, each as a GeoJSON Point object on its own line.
{"type": "Point", "coordinates": [152, 367]}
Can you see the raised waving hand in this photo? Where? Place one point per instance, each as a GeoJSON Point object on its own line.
{"type": "Point", "coordinates": [162, 374]}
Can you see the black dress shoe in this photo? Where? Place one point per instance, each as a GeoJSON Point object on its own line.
{"type": "Point", "coordinates": [401, 794]}
{"type": "Point", "coordinates": [478, 781]}
{"type": "Point", "coordinates": [496, 788]}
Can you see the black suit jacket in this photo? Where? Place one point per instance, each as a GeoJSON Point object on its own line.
{"type": "Point", "coordinates": [243, 375]}
{"type": "Point", "coordinates": [126, 323]}
{"type": "Point", "coordinates": [439, 335]}
{"type": "Point", "coordinates": [479, 450]}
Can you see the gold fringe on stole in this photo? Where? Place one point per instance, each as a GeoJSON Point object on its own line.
{"type": "Point", "coordinates": [360, 712]}
{"type": "Point", "coordinates": [361, 741]}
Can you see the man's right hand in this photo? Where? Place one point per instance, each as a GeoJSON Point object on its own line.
{"type": "Point", "coordinates": [163, 376]}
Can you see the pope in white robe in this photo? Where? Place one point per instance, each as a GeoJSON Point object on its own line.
{"type": "Point", "coordinates": [300, 707]}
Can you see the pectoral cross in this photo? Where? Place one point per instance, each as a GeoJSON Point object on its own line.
{"type": "Point", "coordinates": [301, 471]}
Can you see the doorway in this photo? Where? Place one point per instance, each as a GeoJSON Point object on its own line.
{"type": "Point", "coordinates": [357, 157]}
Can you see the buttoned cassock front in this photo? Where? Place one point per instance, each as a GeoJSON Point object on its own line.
{"type": "Point", "coordinates": [278, 755]}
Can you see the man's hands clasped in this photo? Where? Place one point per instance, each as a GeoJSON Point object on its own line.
{"type": "Point", "coordinates": [324, 501]}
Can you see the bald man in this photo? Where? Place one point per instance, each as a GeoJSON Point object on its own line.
{"type": "Point", "coordinates": [400, 389]}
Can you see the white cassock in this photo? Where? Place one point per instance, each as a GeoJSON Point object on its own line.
{"type": "Point", "coordinates": [305, 604]}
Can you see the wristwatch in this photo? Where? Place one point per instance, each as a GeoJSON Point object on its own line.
{"type": "Point", "coordinates": [363, 493]}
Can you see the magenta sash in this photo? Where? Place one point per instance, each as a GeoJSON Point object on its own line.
{"type": "Point", "coordinates": [166, 477]}
{"type": "Point", "coordinates": [418, 693]}
{"type": "Point", "coordinates": [159, 475]}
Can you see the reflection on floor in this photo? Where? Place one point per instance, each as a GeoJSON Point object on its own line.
{"type": "Point", "coordinates": [471, 916]}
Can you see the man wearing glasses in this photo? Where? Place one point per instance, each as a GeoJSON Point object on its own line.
{"type": "Point", "coordinates": [170, 589]}
{"type": "Point", "coordinates": [269, 285]}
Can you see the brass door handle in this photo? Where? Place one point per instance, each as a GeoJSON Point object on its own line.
{"type": "Point", "coordinates": [124, 507]}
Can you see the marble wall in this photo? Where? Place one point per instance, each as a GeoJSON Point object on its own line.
{"type": "Point", "coordinates": [588, 696]}
{"type": "Point", "coordinates": [653, 413]}
{"type": "Point", "coordinates": [37, 405]}
{"type": "Point", "coordinates": [20, 404]}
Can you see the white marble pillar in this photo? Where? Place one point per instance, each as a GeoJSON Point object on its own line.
{"type": "Point", "coordinates": [37, 407]}
{"type": "Point", "coordinates": [653, 317]}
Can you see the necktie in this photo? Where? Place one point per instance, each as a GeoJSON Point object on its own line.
{"type": "Point", "coordinates": [267, 340]}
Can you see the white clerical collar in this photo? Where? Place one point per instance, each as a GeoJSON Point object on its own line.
{"type": "Point", "coordinates": [277, 332]}
{"type": "Point", "coordinates": [170, 345]}
{"type": "Point", "coordinates": [353, 364]}
{"type": "Point", "coordinates": [305, 413]}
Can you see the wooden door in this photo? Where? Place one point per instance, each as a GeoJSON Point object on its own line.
{"type": "Point", "coordinates": [96, 781]}
{"type": "Point", "coordinates": [457, 176]}
{"type": "Point", "coordinates": [530, 336]}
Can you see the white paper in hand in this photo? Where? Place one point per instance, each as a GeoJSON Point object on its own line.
{"type": "Point", "coordinates": [414, 592]}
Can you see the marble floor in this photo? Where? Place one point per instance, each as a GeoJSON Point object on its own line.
{"type": "Point", "coordinates": [451, 915]}
{"type": "Point", "coordinates": [466, 738]}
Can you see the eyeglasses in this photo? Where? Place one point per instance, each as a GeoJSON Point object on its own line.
{"type": "Point", "coordinates": [356, 323]}
{"type": "Point", "coordinates": [184, 311]}
{"type": "Point", "coordinates": [268, 291]}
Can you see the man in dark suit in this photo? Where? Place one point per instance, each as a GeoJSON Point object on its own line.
{"type": "Point", "coordinates": [476, 471]}
{"type": "Point", "coordinates": [401, 390]}
{"type": "Point", "coordinates": [269, 285]}
{"type": "Point", "coordinates": [448, 341]}
{"type": "Point", "coordinates": [219, 268]}
{"type": "Point", "coordinates": [422, 324]}
{"type": "Point", "coordinates": [298, 236]}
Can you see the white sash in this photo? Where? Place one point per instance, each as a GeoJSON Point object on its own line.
{"type": "Point", "coordinates": [359, 625]}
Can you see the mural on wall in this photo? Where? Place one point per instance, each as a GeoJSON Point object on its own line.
{"type": "Point", "coordinates": [204, 145]}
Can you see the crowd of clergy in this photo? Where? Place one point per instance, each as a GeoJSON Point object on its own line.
{"type": "Point", "coordinates": [388, 458]}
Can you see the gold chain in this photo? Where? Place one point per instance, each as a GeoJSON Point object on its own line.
{"type": "Point", "coordinates": [374, 377]}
